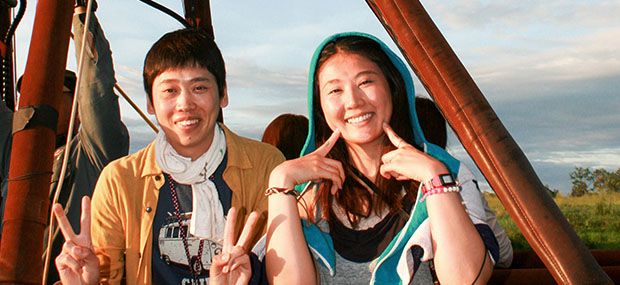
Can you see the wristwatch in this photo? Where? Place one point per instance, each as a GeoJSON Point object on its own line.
{"type": "Point", "coordinates": [442, 180]}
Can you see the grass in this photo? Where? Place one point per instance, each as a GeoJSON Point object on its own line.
{"type": "Point", "coordinates": [595, 218]}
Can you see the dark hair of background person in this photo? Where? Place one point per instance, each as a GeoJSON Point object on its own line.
{"type": "Point", "coordinates": [288, 133]}
{"type": "Point", "coordinates": [432, 121]}
{"type": "Point", "coordinates": [69, 82]}
{"type": "Point", "coordinates": [355, 197]}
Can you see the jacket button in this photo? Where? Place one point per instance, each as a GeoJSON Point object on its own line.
{"type": "Point", "coordinates": [157, 178]}
{"type": "Point", "coordinates": [148, 209]}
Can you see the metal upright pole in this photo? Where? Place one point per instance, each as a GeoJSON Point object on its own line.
{"type": "Point", "coordinates": [6, 57]}
{"type": "Point", "coordinates": [488, 142]}
{"type": "Point", "coordinates": [198, 15]}
{"type": "Point", "coordinates": [27, 207]}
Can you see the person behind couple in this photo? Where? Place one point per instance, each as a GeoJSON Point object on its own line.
{"type": "Point", "coordinates": [286, 132]}
{"type": "Point", "coordinates": [187, 179]}
{"type": "Point", "coordinates": [366, 215]}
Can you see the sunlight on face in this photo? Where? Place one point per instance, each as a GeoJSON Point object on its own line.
{"type": "Point", "coordinates": [186, 103]}
{"type": "Point", "coordinates": [355, 97]}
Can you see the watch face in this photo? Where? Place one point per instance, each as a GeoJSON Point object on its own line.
{"type": "Point", "coordinates": [446, 179]}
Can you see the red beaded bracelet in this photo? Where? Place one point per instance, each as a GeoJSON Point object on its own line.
{"type": "Point", "coordinates": [438, 190]}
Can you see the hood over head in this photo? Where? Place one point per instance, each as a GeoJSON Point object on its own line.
{"type": "Point", "coordinates": [418, 135]}
{"type": "Point", "coordinates": [392, 257]}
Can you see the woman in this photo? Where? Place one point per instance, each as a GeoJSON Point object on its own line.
{"type": "Point", "coordinates": [381, 200]}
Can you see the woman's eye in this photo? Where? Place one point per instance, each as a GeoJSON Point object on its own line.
{"type": "Point", "coordinates": [334, 91]}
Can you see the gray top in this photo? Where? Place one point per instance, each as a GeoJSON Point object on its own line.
{"type": "Point", "coordinates": [350, 272]}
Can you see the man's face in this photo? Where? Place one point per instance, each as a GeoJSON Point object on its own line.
{"type": "Point", "coordinates": [186, 103]}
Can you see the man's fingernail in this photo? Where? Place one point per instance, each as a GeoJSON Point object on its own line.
{"type": "Point", "coordinates": [225, 257]}
{"type": "Point", "coordinates": [225, 269]}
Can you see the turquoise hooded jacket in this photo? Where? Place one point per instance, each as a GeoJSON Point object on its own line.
{"type": "Point", "coordinates": [320, 243]}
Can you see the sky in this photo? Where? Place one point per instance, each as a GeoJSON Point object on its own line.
{"type": "Point", "coordinates": [549, 69]}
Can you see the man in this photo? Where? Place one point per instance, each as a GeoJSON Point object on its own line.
{"type": "Point", "coordinates": [159, 214]}
{"type": "Point", "coordinates": [101, 137]}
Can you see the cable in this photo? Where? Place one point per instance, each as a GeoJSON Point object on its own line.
{"type": "Point", "coordinates": [167, 11]}
{"type": "Point", "coordinates": [136, 108]}
{"type": "Point", "coordinates": [67, 151]}
{"type": "Point", "coordinates": [15, 23]}
{"type": "Point", "coordinates": [484, 261]}
{"type": "Point", "coordinates": [7, 39]}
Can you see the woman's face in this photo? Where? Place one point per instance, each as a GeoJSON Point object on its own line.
{"type": "Point", "coordinates": [355, 97]}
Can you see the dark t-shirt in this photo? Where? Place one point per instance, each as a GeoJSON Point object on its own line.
{"type": "Point", "coordinates": [169, 261]}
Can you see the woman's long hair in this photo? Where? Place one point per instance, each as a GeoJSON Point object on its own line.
{"type": "Point", "coordinates": [355, 198]}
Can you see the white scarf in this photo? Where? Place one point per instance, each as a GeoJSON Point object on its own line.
{"type": "Point", "coordinates": [207, 220]}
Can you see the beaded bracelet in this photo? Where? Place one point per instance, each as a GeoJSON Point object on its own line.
{"type": "Point", "coordinates": [439, 190]}
{"type": "Point", "coordinates": [280, 190]}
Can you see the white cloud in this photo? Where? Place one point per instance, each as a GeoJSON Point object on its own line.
{"type": "Point", "coordinates": [608, 158]}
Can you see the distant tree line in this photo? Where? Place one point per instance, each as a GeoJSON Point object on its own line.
{"type": "Point", "coordinates": [598, 180]}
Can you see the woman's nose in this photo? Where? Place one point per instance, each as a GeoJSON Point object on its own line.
{"type": "Point", "coordinates": [354, 97]}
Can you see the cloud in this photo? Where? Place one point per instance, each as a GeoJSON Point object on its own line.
{"type": "Point", "coordinates": [467, 15]}
{"type": "Point", "coordinates": [608, 158]}
{"type": "Point", "coordinates": [530, 48]}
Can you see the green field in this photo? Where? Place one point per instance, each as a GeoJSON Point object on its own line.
{"type": "Point", "coordinates": [595, 218]}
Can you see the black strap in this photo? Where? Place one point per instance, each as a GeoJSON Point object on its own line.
{"type": "Point", "coordinates": [35, 115]}
{"type": "Point", "coordinates": [406, 205]}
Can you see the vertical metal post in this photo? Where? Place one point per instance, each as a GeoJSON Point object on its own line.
{"type": "Point", "coordinates": [6, 56]}
{"type": "Point", "coordinates": [27, 208]}
{"type": "Point", "coordinates": [198, 15]}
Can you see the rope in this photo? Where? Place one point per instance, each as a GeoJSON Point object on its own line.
{"type": "Point", "coordinates": [135, 107]}
{"type": "Point", "coordinates": [65, 160]}
{"type": "Point", "coordinates": [167, 12]}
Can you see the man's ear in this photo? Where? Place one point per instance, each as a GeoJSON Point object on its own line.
{"type": "Point", "coordinates": [149, 106]}
{"type": "Point", "coordinates": [224, 99]}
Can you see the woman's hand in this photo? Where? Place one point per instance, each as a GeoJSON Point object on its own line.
{"type": "Point", "coordinates": [408, 163]}
{"type": "Point", "coordinates": [77, 263]}
{"type": "Point", "coordinates": [232, 265]}
{"type": "Point", "coordinates": [311, 167]}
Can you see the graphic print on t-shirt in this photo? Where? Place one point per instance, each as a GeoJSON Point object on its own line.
{"type": "Point", "coordinates": [172, 249]}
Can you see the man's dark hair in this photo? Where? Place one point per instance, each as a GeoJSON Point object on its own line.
{"type": "Point", "coordinates": [69, 81]}
{"type": "Point", "coordinates": [184, 48]}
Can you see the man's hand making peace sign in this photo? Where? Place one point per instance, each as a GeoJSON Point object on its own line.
{"type": "Point", "coordinates": [77, 263]}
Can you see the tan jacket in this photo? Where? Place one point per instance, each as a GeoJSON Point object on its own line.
{"type": "Point", "coordinates": [125, 200]}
